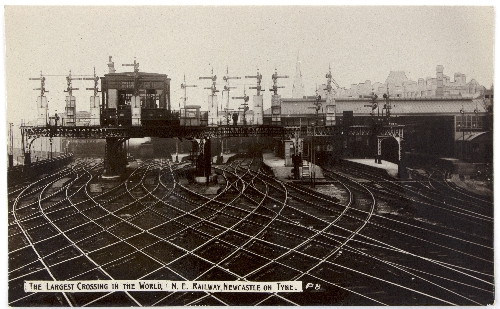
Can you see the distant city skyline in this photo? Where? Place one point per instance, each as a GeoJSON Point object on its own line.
{"type": "Point", "coordinates": [359, 42]}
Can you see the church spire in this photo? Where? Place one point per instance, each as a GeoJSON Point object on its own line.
{"type": "Point", "coordinates": [298, 86]}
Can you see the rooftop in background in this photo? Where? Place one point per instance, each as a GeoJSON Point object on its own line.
{"type": "Point", "coordinates": [399, 85]}
{"type": "Point", "coordinates": [396, 78]}
{"type": "Point", "coordinates": [400, 106]}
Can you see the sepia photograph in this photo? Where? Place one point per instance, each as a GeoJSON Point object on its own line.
{"type": "Point", "coordinates": [249, 155]}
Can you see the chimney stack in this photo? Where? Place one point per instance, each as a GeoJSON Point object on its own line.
{"type": "Point", "coordinates": [111, 65]}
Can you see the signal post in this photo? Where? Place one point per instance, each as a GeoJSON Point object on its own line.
{"type": "Point", "coordinates": [213, 106]}
{"type": "Point", "coordinates": [258, 108]}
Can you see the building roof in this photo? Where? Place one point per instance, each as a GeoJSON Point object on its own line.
{"type": "Point", "coordinates": [399, 106]}
{"type": "Point", "coordinates": [396, 78]}
{"type": "Point", "coordinates": [144, 76]}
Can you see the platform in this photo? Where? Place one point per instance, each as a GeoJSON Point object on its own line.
{"type": "Point", "coordinates": [225, 157]}
{"type": "Point", "coordinates": [389, 167]}
{"type": "Point", "coordinates": [283, 172]}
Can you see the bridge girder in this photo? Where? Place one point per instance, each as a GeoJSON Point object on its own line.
{"type": "Point", "coordinates": [207, 132]}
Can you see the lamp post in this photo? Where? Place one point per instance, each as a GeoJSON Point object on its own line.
{"type": "Point", "coordinates": [50, 141]}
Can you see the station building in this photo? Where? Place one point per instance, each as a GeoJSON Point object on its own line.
{"type": "Point", "coordinates": [442, 118]}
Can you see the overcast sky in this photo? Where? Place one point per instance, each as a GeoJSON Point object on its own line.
{"type": "Point", "coordinates": [360, 43]}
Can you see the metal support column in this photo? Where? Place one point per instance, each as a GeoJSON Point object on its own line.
{"type": "Point", "coordinates": [196, 148]}
{"type": "Point", "coordinates": [176, 150]}
{"type": "Point", "coordinates": [115, 160]}
{"type": "Point", "coordinates": [378, 159]}
{"type": "Point", "coordinates": [402, 172]}
{"type": "Point", "coordinates": [26, 152]}
{"type": "Point", "coordinates": [207, 159]}
{"type": "Point", "coordinates": [50, 141]}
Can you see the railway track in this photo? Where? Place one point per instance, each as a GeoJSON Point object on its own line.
{"type": "Point", "coordinates": [154, 226]}
{"type": "Point", "coordinates": [456, 261]}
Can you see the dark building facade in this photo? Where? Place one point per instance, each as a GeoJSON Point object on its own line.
{"type": "Point", "coordinates": [441, 127]}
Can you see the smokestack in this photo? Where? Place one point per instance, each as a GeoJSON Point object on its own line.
{"type": "Point", "coordinates": [111, 65]}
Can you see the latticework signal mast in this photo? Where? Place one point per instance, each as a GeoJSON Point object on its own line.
{"type": "Point", "coordinates": [275, 77]}
{"type": "Point", "coordinates": [185, 86]}
{"type": "Point", "coordinates": [71, 100]}
{"type": "Point", "coordinates": [213, 88]}
{"type": "Point", "coordinates": [41, 105]}
{"type": "Point", "coordinates": [95, 112]}
{"type": "Point", "coordinates": [69, 80]}
{"type": "Point", "coordinates": [136, 75]}
{"type": "Point", "coordinates": [329, 81]}
{"type": "Point", "coordinates": [227, 88]}
{"type": "Point", "coordinates": [244, 105]}
{"type": "Point", "coordinates": [212, 101]}
{"type": "Point", "coordinates": [42, 84]}
{"type": "Point", "coordinates": [96, 83]}
{"type": "Point", "coordinates": [259, 79]}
